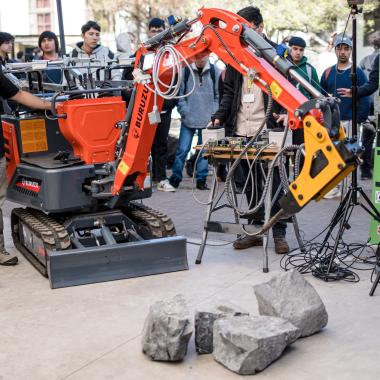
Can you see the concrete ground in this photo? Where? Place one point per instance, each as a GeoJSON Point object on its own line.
{"type": "Point", "coordinates": [94, 331]}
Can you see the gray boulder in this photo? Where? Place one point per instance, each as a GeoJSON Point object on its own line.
{"type": "Point", "coordinates": [205, 318]}
{"type": "Point", "coordinates": [247, 345]}
{"type": "Point", "coordinates": [167, 330]}
{"type": "Point", "coordinates": [289, 296]}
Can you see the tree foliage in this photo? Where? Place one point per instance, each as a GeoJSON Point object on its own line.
{"type": "Point", "coordinates": [316, 17]}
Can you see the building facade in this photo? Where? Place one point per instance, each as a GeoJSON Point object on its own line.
{"type": "Point", "coordinates": [26, 19]}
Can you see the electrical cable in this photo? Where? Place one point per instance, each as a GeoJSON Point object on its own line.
{"type": "Point", "coordinates": [229, 188]}
{"type": "Point", "coordinates": [170, 91]}
{"type": "Point", "coordinates": [199, 155]}
{"type": "Point", "coordinates": [211, 245]}
{"type": "Point", "coordinates": [310, 262]}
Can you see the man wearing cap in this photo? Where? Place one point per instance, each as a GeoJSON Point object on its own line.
{"type": "Point", "coordinates": [339, 76]}
{"type": "Point", "coordinates": [307, 71]}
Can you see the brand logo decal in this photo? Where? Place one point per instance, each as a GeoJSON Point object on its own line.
{"type": "Point", "coordinates": [29, 184]}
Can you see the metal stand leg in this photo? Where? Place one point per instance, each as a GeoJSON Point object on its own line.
{"type": "Point", "coordinates": [235, 201]}
{"type": "Point", "coordinates": [297, 233]}
{"type": "Point", "coordinates": [268, 206]}
{"type": "Point", "coordinates": [208, 217]}
{"type": "Point", "coordinates": [376, 282]}
{"type": "Point", "coordinates": [377, 270]}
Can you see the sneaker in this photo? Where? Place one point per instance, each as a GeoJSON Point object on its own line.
{"type": "Point", "coordinates": [7, 259]}
{"type": "Point", "coordinates": [165, 185]}
{"type": "Point", "coordinates": [333, 193]}
{"type": "Point", "coordinates": [202, 185]}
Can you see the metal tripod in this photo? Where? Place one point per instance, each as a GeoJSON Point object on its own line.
{"type": "Point", "coordinates": [350, 200]}
{"type": "Point", "coordinates": [377, 271]}
{"type": "Point", "coordinates": [342, 216]}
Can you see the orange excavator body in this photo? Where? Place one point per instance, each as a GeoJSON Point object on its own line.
{"type": "Point", "coordinates": [90, 127]}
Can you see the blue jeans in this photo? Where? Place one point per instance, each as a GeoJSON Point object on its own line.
{"type": "Point", "coordinates": [184, 145]}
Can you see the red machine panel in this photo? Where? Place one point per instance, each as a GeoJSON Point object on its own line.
{"type": "Point", "coordinates": [11, 149]}
{"type": "Point", "coordinates": [90, 127]}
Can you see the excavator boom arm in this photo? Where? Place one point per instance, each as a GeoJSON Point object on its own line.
{"type": "Point", "coordinates": [232, 39]}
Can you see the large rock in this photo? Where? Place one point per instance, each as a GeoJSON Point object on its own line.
{"type": "Point", "coordinates": [289, 296]}
{"type": "Point", "coordinates": [246, 345]}
{"type": "Point", "coordinates": [205, 318]}
{"type": "Point", "coordinates": [167, 330]}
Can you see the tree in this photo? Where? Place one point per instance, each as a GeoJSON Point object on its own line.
{"type": "Point", "coordinates": [318, 18]}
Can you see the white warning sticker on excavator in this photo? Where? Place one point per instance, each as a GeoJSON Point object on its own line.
{"type": "Point", "coordinates": [123, 167]}
{"type": "Point", "coordinates": [276, 89]}
{"type": "Point", "coordinates": [377, 197]}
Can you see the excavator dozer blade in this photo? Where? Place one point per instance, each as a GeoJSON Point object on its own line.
{"type": "Point", "coordinates": [115, 262]}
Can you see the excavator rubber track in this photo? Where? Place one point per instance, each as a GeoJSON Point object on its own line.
{"type": "Point", "coordinates": [35, 234]}
{"type": "Point", "coordinates": [158, 224]}
{"type": "Point", "coordinates": [48, 246]}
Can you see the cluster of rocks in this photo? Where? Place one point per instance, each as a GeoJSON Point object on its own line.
{"type": "Point", "coordinates": [289, 308]}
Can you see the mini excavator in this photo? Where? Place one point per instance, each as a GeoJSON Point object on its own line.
{"type": "Point", "coordinates": [82, 171]}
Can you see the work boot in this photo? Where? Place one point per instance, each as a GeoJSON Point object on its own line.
{"type": "Point", "coordinates": [248, 241]}
{"type": "Point", "coordinates": [7, 259]}
{"type": "Point", "coordinates": [281, 246]}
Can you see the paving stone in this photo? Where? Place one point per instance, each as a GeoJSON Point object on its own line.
{"type": "Point", "coordinates": [289, 296]}
{"type": "Point", "coordinates": [246, 345]}
{"type": "Point", "coordinates": [205, 317]}
{"type": "Point", "coordinates": [167, 330]}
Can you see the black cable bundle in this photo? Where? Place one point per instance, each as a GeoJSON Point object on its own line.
{"type": "Point", "coordinates": [311, 261]}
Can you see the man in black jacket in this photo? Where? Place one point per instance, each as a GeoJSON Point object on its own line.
{"type": "Point", "coordinates": [9, 91]}
{"type": "Point", "coordinates": [241, 111]}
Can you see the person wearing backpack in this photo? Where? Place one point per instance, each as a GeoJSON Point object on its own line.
{"type": "Point", "coordinates": [195, 110]}
{"type": "Point", "coordinates": [307, 71]}
{"type": "Point", "coordinates": [339, 76]}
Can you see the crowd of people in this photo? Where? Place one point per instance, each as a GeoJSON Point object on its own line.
{"type": "Point", "coordinates": [225, 97]}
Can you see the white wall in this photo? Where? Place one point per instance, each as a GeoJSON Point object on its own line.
{"type": "Point", "coordinates": [74, 16]}
{"type": "Point", "coordinates": [16, 17]}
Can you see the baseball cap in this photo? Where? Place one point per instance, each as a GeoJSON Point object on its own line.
{"type": "Point", "coordinates": [298, 41]}
{"type": "Point", "coordinates": [342, 40]}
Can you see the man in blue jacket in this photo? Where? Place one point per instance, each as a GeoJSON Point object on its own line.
{"type": "Point", "coordinates": [339, 76]}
